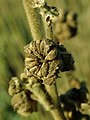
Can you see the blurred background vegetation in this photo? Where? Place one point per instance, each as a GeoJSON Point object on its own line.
{"type": "Point", "coordinates": [15, 34]}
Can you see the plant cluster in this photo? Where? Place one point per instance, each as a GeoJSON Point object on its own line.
{"type": "Point", "coordinates": [45, 58]}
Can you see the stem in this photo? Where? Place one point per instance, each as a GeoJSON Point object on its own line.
{"type": "Point", "coordinates": [57, 114]}
{"type": "Point", "coordinates": [52, 91]}
{"type": "Point", "coordinates": [43, 98]}
{"type": "Point", "coordinates": [48, 30]}
{"type": "Point", "coordinates": [56, 111]}
{"type": "Point", "coordinates": [47, 26]}
{"type": "Point", "coordinates": [37, 30]}
{"type": "Point", "coordinates": [41, 95]}
{"type": "Point", "coordinates": [34, 19]}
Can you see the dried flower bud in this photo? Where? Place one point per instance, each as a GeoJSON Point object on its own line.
{"type": "Point", "coordinates": [67, 105]}
{"type": "Point", "coordinates": [45, 59]}
{"type": "Point", "coordinates": [65, 26]}
{"type": "Point", "coordinates": [51, 55]}
{"type": "Point", "coordinates": [75, 96]}
{"type": "Point", "coordinates": [39, 64]}
{"type": "Point", "coordinates": [14, 86]}
{"type": "Point", "coordinates": [23, 104]}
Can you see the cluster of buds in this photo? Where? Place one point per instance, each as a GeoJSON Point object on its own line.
{"type": "Point", "coordinates": [21, 101]}
{"type": "Point", "coordinates": [73, 100]}
{"type": "Point", "coordinates": [65, 26]}
{"type": "Point", "coordinates": [44, 59]}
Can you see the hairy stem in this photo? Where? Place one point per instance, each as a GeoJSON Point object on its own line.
{"type": "Point", "coordinates": [57, 114]}
{"type": "Point", "coordinates": [47, 23]}
{"type": "Point", "coordinates": [34, 19]}
{"type": "Point", "coordinates": [56, 111]}
{"type": "Point", "coordinates": [43, 98]}
{"type": "Point", "coordinates": [52, 91]}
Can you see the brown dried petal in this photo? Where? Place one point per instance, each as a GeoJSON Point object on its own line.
{"type": "Point", "coordinates": [28, 59]}
{"type": "Point", "coordinates": [34, 49]}
{"type": "Point", "coordinates": [39, 72]}
{"type": "Point", "coordinates": [53, 66]}
{"type": "Point", "coordinates": [42, 46]}
{"type": "Point", "coordinates": [51, 55]}
{"type": "Point", "coordinates": [36, 72]}
{"type": "Point", "coordinates": [44, 69]}
{"type": "Point", "coordinates": [31, 55]}
{"type": "Point", "coordinates": [38, 46]}
{"type": "Point", "coordinates": [31, 64]}
{"type": "Point", "coordinates": [33, 69]}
